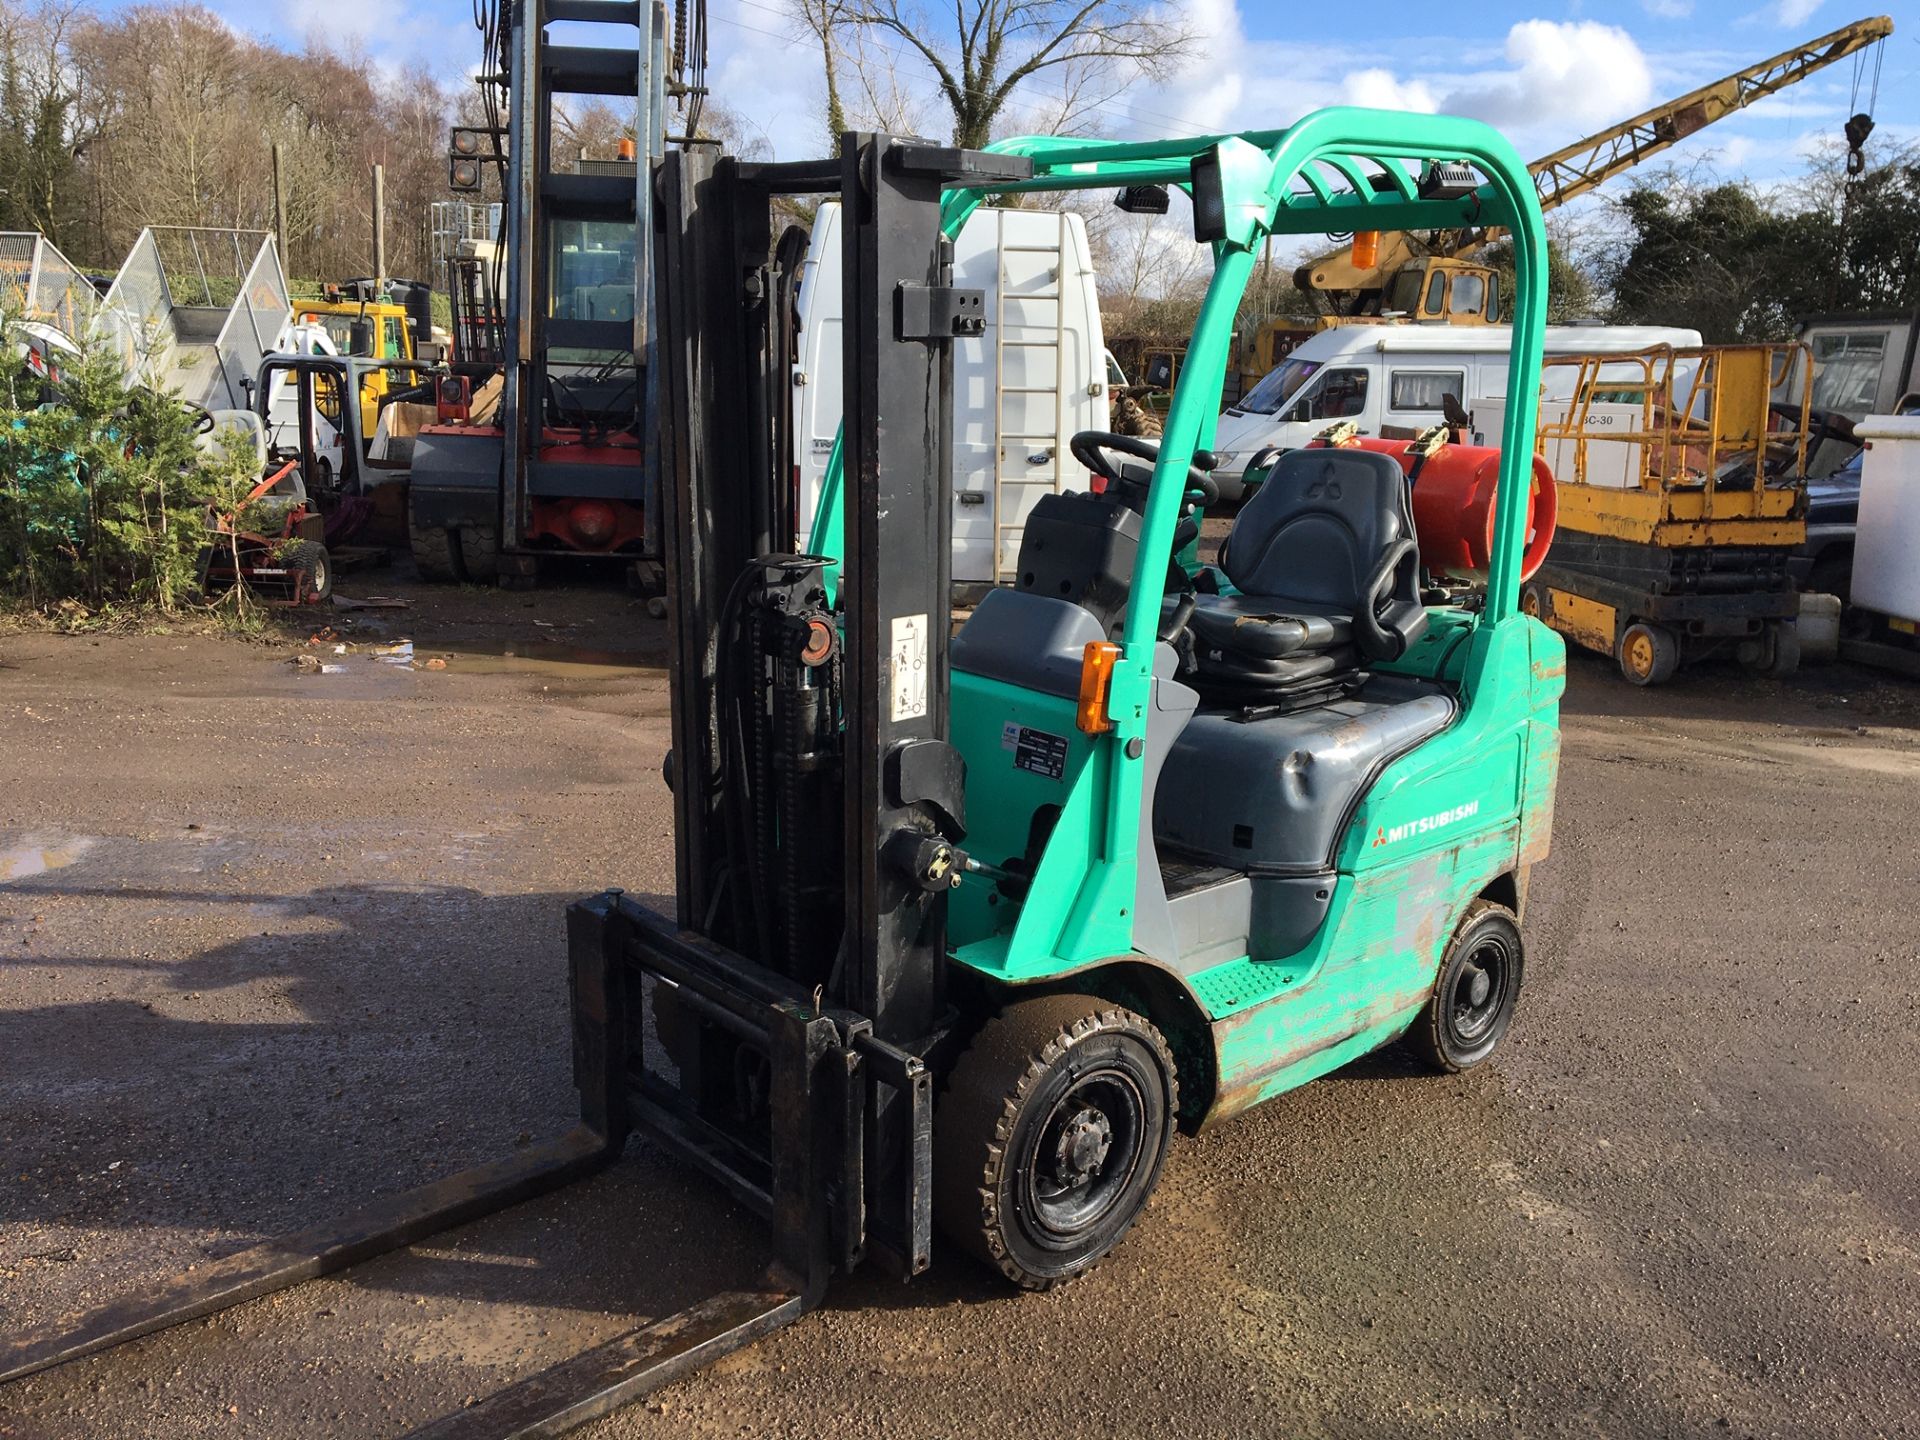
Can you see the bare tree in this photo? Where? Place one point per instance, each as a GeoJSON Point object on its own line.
{"type": "Point", "coordinates": [179, 116]}
{"type": "Point", "coordinates": [865, 86]}
{"type": "Point", "coordinates": [592, 131]}
{"type": "Point", "coordinates": [884, 98]}
{"type": "Point", "coordinates": [994, 46]}
{"type": "Point", "coordinates": [44, 120]}
{"type": "Point", "coordinates": [826, 20]}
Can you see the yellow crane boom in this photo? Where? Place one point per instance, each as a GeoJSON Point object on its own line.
{"type": "Point", "coordinates": [1587, 164]}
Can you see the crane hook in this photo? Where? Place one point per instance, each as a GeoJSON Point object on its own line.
{"type": "Point", "coordinates": [1858, 129]}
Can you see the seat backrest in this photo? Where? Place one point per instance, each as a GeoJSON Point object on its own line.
{"type": "Point", "coordinates": [1318, 526]}
{"type": "Point", "coordinates": [1081, 547]}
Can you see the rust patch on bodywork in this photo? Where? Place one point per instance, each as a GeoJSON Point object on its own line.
{"type": "Point", "coordinates": [1379, 971]}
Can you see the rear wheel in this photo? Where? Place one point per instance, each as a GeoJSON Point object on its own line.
{"type": "Point", "coordinates": [1475, 992]}
{"type": "Point", "coordinates": [1051, 1136]}
{"type": "Point", "coordinates": [1648, 654]}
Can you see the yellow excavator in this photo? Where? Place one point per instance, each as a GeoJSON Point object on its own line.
{"type": "Point", "coordinates": [1397, 274]}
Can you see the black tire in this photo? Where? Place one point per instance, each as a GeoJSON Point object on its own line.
{"type": "Point", "coordinates": [434, 550]}
{"type": "Point", "coordinates": [310, 569]}
{"type": "Point", "coordinates": [1648, 654]}
{"type": "Point", "coordinates": [479, 553]}
{"type": "Point", "coordinates": [1051, 1135]}
{"type": "Point", "coordinates": [1475, 992]}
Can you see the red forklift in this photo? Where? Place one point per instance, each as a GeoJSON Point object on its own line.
{"type": "Point", "coordinates": [548, 463]}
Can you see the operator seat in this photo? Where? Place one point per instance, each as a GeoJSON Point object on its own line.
{"type": "Point", "coordinates": [1328, 573]}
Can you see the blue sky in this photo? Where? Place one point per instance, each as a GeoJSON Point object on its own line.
{"type": "Point", "coordinates": [1545, 73]}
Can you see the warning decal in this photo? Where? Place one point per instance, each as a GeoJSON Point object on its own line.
{"type": "Point", "coordinates": [909, 680]}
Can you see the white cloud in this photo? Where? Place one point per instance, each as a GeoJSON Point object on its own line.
{"type": "Point", "coordinates": [1548, 82]}
{"type": "Point", "coordinates": [1565, 75]}
{"type": "Point", "coordinates": [1382, 90]}
{"type": "Point", "coordinates": [1669, 9]}
{"type": "Point", "coordinates": [333, 21]}
{"type": "Point", "coordinates": [1789, 13]}
{"type": "Point", "coordinates": [1203, 96]}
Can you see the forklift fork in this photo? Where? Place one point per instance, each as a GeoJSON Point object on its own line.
{"type": "Point", "coordinates": [818, 1099]}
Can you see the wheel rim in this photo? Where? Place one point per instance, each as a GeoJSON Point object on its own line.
{"type": "Point", "coordinates": [1638, 652]}
{"type": "Point", "coordinates": [1083, 1156]}
{"type": "Point", "coordinates": [1480, 991]}
{"type": "Point", "coordinates": [1530, 602]}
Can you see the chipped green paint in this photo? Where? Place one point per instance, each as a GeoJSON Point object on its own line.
{"type": "Point", "coordinates": [1439, 825]}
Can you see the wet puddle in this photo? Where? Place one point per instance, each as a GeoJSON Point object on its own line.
{"type": "Point", "coordinates": [531, 657]}
{"type": "Point", "coordinates": [35, 856]}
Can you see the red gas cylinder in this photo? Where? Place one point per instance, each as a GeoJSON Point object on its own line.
{"type": "Point", "coordinates": [1453, 498]}
{"type": "Point", "coordinates": [592, 523]}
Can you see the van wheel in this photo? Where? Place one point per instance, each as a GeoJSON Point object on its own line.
{"type": "Point", "coordinates": [1051, 1135]}
{"type": "Point", "coordinates": [1475, 992]}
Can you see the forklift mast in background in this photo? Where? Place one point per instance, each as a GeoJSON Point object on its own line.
{"type": "Point", "coordinates": [560, 467]}
{"type": "Point", "coordinates": [563, 230]}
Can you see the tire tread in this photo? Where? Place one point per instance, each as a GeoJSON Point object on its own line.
{"type": "Point", "coordinates": [1423, 1038]}
{"type": "Point", "coordinates": [981, 1113]}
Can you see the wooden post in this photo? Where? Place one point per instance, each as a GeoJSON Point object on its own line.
{"type": "Point", "coordinates": [280, 208]}
{"type": "Point", "coordinates": [379, 226]}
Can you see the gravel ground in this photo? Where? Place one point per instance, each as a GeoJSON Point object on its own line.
{"type": "Point", "coordinates": [272, 943]}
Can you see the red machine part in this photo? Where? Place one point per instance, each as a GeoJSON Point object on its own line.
{"type": "Point", "coordinates": [592, 527]}
{"type": "Point", "coordinates": [1453, 502]}
{"type": "Point", "coordinates": [453, 399]}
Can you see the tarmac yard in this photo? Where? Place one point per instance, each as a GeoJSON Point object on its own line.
{"type": "Point", "coordinates": [272, 943]}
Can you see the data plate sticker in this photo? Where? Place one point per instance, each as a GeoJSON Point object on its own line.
{"type": "Point", "coordinates": [1035, 750]}
{"type": "Point", "coordinates": [909, 666]}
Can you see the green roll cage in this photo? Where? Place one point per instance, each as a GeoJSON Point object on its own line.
{"type": "Point", "coordinates": [1336, 170]}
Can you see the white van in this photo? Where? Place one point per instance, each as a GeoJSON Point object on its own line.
{"type": "Point", "coordinates": [1020, 392]}
{"type": "Point", "coordinates": [1391, 377]}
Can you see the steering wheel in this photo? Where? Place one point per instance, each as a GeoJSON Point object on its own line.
{"type": "Point", "coordinates": [201, 416]}
{"type": "Point", "coordinates": [1821, 424]}
{"type": "Point", "coordinates": [1091, 448]}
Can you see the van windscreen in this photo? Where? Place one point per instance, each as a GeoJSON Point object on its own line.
{"type": "Point", "coordinates": [1279, 386]}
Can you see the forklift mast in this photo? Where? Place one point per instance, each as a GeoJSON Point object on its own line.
{"type": "Point", "coordinates": [815, 829]}
{"type": "Point", "coordinates": [578, 284]}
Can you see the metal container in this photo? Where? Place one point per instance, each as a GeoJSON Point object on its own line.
{"type": "Point", "coordinates": [1886, 577]}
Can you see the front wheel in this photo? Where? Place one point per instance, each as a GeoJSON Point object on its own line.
{"type": "Point", "coordinates": [1475, 992]}
{"type": "Point", "coordinates": [1051, 1136]}
{"type": "Point", "coordinates": [311, 570]}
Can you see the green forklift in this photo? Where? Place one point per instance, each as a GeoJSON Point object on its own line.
{"type": "Point", "coordinates": [970, 921]}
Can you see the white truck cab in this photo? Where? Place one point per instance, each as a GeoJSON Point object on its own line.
{"type": "Point", "coordinates": [1020, 392]}
{"type": "Point", "coordinates": [1388, 378]}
